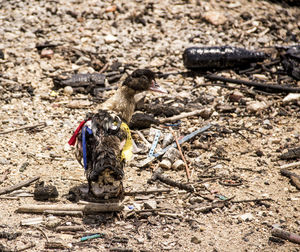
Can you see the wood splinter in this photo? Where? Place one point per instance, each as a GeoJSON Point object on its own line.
{"type": "Point", "coordinates": [292, 237]}
{"type": "Point", "coordinates": [293, 176]}
{"type": "Point", "coordinates": [158, 175]}
{"type": "Point", "coordinates": [91, 208]}
{"type": "Point", "coordinates": [18, 186]}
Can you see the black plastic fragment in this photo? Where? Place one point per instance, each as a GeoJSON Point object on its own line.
{"type": "Point", "coordinates": [219, 57]}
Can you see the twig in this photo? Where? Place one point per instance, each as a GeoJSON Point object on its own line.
{"type": "Point", "coordinates": [28, 246]}
{"type": "Point", "coordinates": [87, 208]}
{"type": "Point", "coordinates": [292, 153]}
{"type": "Point", "coordinates": [184, 115]}
{"type": "Point", "coordinates": [22, 128]}
{"type": "Point", "coordinates": [173, 215]}
{"type": "Point", "coordinates": [187, 170]}
{"type": "Point", "coordinates": [64, 213]}
{"type": "Point", "coordinates": [18, 186]}
{"type": "Point", "coordinates": [104, 68]}
{"type": "Point", "coordinates": [121, 250]}
{"type": "Point", "coordinates": [143, 138]}
{"type": "Point", "coordinates": [148, 192]}
{"type": "Point", "coordinates": [158, 175]}
{"type": "Point", "coordinates": [69, 228]}
{"type": "Point", "coordinates": [292, 237]}
{"type": "Point", "coordinates": [251, 200]}
{"type": "Point", "coordinates": [293, 176]}
{"type": "Point", "coordinates": [291, 165]}
{"type": "Point", "coordinates": [4, 176]}
{"type": "Point", "coordinates": [270, 87]}
{"type": "Point", "coordinates": [44, 234]}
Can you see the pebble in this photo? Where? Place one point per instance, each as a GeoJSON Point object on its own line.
{"type": "Point", "coordinates": [215, 17]}
{"type": "Point", "coordinates": [77, 104]}
{"type": "Point", "coordinates": [236, 96]}
{"type": "Point", "coordinates": [110, 39]}
{"type": "Point", "coordinates": [256, 106]}
{"type": "Point", "coordinates": [246, 217]}
{"type": "Point", "coordinates": [68, 90]}
{"type": "Point", "coordinates": [4, 161]}
{"type": "Point", "coordinates": [291, 98]}
{"type": "Point", "coordinates": [195, 240]}
{"type": "Point", "coordinates": [150, 204]}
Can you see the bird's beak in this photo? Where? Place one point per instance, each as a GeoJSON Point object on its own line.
{"type": "Point", "coordinates": [156, 88]}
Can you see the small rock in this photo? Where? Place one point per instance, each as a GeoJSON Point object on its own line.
{"type": "Point", "coordinates": [150, 204]}
{"type": "Point", "coordinates": [166, 235]}
{"type": "Point", "coordinates": [47, 53]}
{"type": "Point", "coordinates": [291, 98]}
{"type": "Point", "coordinates": [215, 17]}
{"type": "Point", "coordinates": [110, 39]}
{"type": "Point", "coordinates": [246, 217]}
{"type": "Point", "coordinates": [236, 96]}
{"type": "Point", "coordinates": [68, 90]}
{"type": "Point", "coordinates": [256, 106]}
{"type": "Point", "coordinates": [67, 147]}
{"type": "Point", "coordinates": [4, 161]}
{"type": "Point", "coordinates": [78, 104]}
{"type": "Point", "coordinates": [195, 240]}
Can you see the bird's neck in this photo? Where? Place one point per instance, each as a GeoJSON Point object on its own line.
{"type": "Point", "coordinates": [122, 102]}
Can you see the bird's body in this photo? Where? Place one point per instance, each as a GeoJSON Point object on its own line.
{"type": "Point", "coordinates": [103, 147]}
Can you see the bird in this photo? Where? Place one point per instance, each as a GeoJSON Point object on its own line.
{"type": "Point", "coordinates": [104, 139]}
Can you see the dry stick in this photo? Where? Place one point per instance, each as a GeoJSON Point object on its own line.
{"type": "Point", "coordinates": [104, 68]}
{"type": "Point", "coordinates": [4, 176]}
{"type": "Point", "coordinates": [28, 246]}
{"type": "Point", "coordinates": [88, 208]}
{"type": "Point", "coordinates": [44, 234]}
{"type": "Point", "coordinates": [293, 176]}
{"type": "Point", "coordinates": [64, 213]}
{"type": "Point", "coordinates": [251, 200]}
{"type": "Point", "coordinates": [69, 228]}
{"type": "Point", "coordinates": [22, 128]}
{"type": "Point", "coordinates": [187, 170]}
{"type": "Point", "coordinates": [183, 115]}
{"type": "Point", "coordinates": [274, 87]}
{"type": "Point", "coordinates": [292, 237]}
{"type": "Point", "coordinates": [18, 186]}
{"type": "Point", "coordinates": [147, 192]}
{"type": "Point", "coordinates": [292, 153]}
{"type": "Point", "coordinates": [291, 165]}
{"type": "Point", "coordinates": [157, 175]}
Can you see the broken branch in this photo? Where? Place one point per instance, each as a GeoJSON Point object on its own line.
{"type": "Point", "coordinates": [147, 192]}
{"type": "Point", "coordinates": [267, 87]}
{"type": "Point", "coordinates": [25, 127]}
{"type": "Point", "coordinates": [18, 186]}
{"type": "Point", "coordinates": [293, 176]}
{"type": "Point", "coordinates": [292, 237]}
{"type": "Point", "coordinates": [158, 175]}
{"type": "Point", "coordinates": [87, 209]}
{"type": "Point", "coordinates": [187, 170]}
{"type": "Point", "coordinates": [201, 112]}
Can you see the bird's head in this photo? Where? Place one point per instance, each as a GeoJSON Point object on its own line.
{"type": "Point", "coordinates": [143, 80]}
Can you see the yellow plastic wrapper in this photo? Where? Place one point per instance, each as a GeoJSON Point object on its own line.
{"type": "Point", "coordinates": [127, 149]}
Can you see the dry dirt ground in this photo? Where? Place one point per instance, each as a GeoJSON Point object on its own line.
{"type": "Point", "coordinates": [244, 144]}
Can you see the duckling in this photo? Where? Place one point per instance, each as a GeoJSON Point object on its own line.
{"type": "Point", "coordinates": [103, 143]}
{"type": "Point", "coordinates": [122, 102]}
